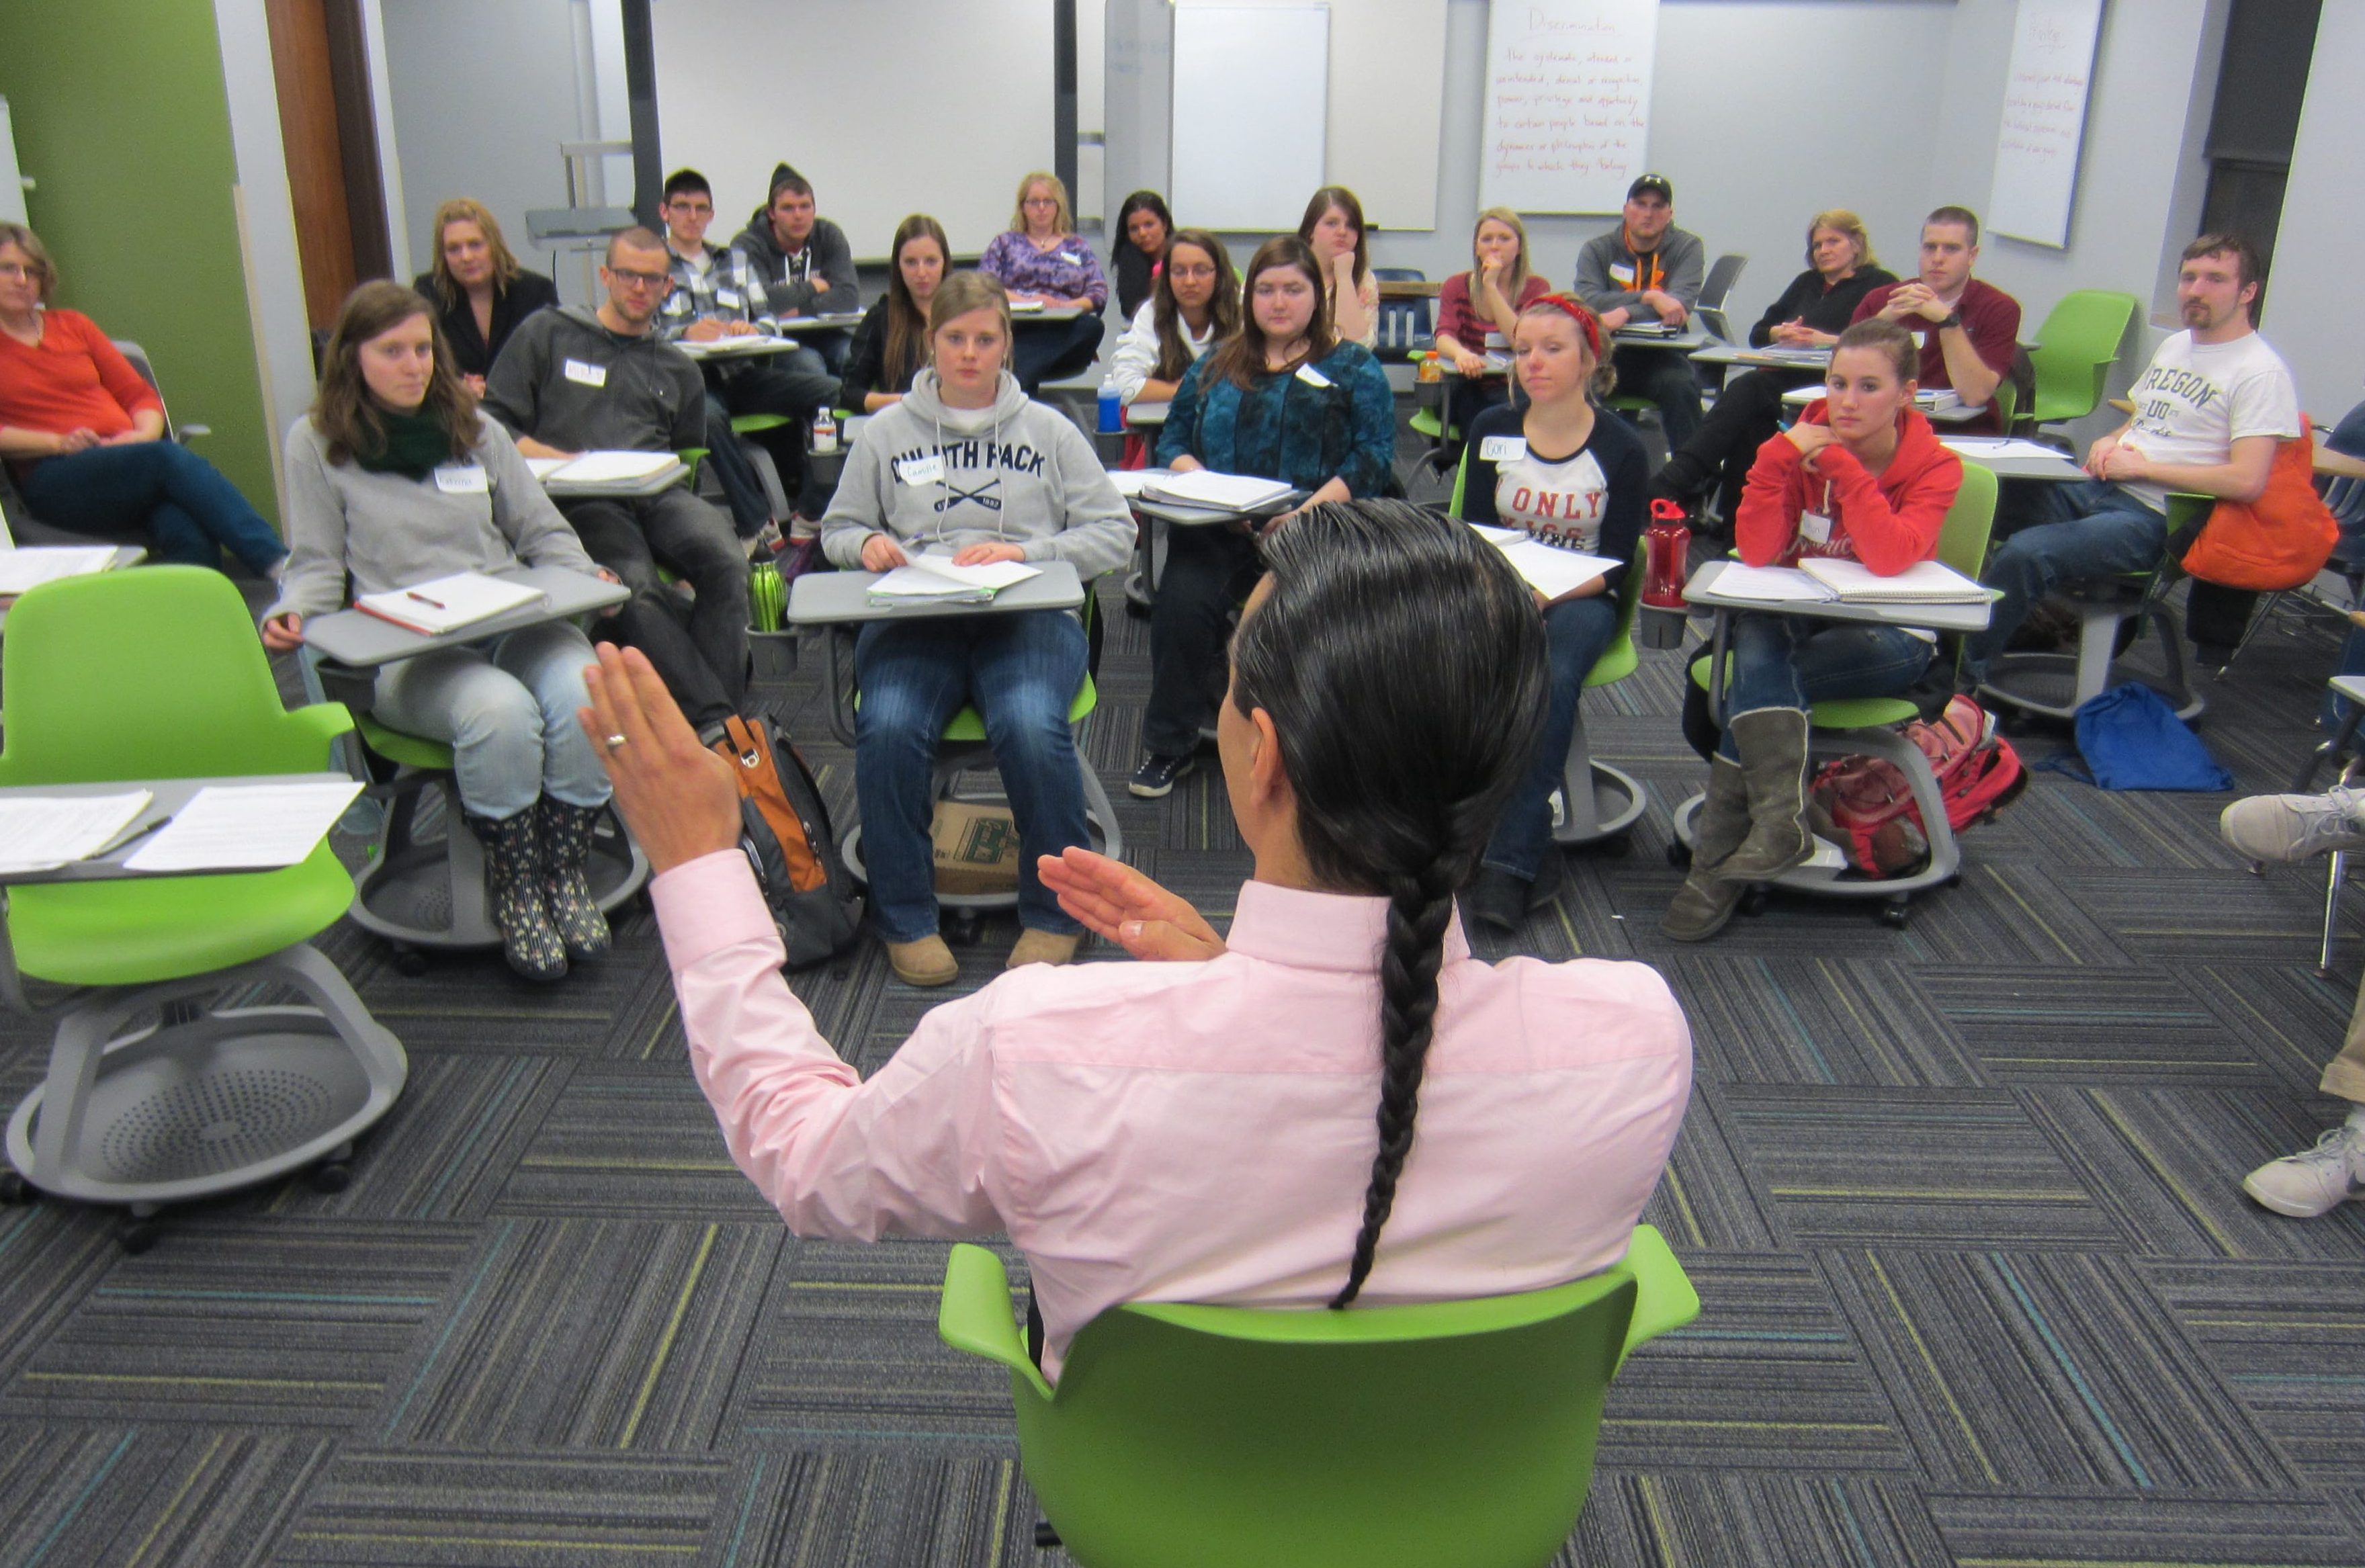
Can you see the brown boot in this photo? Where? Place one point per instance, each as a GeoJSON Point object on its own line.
{"type": "Point", "coordinates": [927, 962]}
{"type": "Point", "coordinates": [1042, 948]}
{"type": "Point", "coordinates": [1773, 747]}
{"type": "Point", "coordinates": [1706, 901]}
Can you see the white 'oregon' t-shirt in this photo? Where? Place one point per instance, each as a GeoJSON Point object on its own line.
{"type": "Point", "coordinates": [2197, 400]}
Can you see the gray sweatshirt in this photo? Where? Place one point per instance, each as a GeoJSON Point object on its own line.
{"type": "Point", "coordinates": [567, 381]}
{"type": "Point", "coordinates": [390, 532]}
{"type": "Point", "coordinates": [1017, 473]}
{"type": "Point", "coordinates": [1607, 271]}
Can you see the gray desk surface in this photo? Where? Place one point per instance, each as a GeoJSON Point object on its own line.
{"type": "Point", "coordinates": [1146, 416]}
{"type": "Point", "coordinates": [171, 794]}
{"type": "Point", "coordinates": [1962, 414]}
{"type": "Point", "coordinates": [821, 321]}
{"type": "Point", "coordinates": [655, 484]}
{"type": "Point", "coordinates": [839, 599]}
{"type": "Point", "coordinates": [124, 555]}
{"type": "Point", "coordinates": [1050, 313]}
{"type": "Point", "coordinates": [1200, 517]}
{"type": "Point", "coordinates": [1762, 359]}
{"type": "Point", "coordinates": [746, 345]}
{"type": "Point", "coordinates": [1701, 591]}
{"type": "Point", "coordinates": [1690, 342]}
{"type": "Point", "coordinates": [364, 642]}
{"type": "Point", "coordinates": [2057, 469]}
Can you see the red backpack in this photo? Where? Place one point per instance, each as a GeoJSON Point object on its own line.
{"type": "Point", "coordinates": [1864, 805]}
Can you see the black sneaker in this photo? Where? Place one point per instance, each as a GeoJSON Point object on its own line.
{"type": "Point", "coordinates": [1156, 776]}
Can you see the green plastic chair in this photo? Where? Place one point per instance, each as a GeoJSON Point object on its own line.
{"type": "Point", "coordinates": [2075, 349]}
{"type": "Point", "coordinates": [158, 674]}
{"type": "Point", "coordinates": [1458, 1433]}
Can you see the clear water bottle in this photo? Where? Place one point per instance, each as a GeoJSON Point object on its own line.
{"type": "Point", "coordinates": [1111, 404]}
{"type": "Point", "coordinates": [824, 432]}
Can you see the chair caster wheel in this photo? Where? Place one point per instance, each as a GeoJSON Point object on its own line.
{"type": "Point", "coordinates": [967, 927]}
{"type": "Point", "coordinates": [14, 1190]}
{"type": "Point", "coordinates": [1895, 916]}
{"type": "Point", "coordinates": [330, 1176]}
{"type": "Point", "coordinates": [411, 962]}
{"type": "Point", "coordinates": [1753, 903]}
{"type": "Point", "coordinates": [138, 1236]}
{"type": "Point", "coordinates": [1138, 609]}
{"type": "Point", "coordinates": [1679, 855]}
{"type": "Point", "coordinates": [1047, 1538]}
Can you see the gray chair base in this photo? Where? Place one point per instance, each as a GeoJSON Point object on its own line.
{"type": "Point", "coordinates": [175, 1111]}
{"type": "Point", "coordinates": [1597, 802]}
{"type": "Point", "coordinates": [1099, 814]}
{"type": "Point", "coordinates": [2054, 686]}
{"type": "Point", "coordinates": [428, 893]}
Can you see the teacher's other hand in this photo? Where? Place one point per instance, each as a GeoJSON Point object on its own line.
{"type": "Point", "coordinates": [677, 797]}
{"type": "Point", "coordinates": [1121, 905]}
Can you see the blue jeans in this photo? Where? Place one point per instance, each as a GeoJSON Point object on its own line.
{"type": "Point", "coordinates": [506, 706]}
{"type": "Point", "coordinates": [1797, 661]}
{"type": "Point", "coordinates": [1574, 634]}
{"type": "Point", "coordinates": [190, 512]}
{"type": "Point", "coordinates": [1022, 671]}
{"type": "Point", "coordinates": [1665, 376]}
{"type": "Point", "coordinates": [2098, 531]}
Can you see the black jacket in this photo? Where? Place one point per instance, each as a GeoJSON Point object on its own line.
{"type": "Point", "coordinates": [527, 293]}
{"type": "Point", "coordinates": [788, 281]}
{"type": "Point", "coordinates": [1826, 310]}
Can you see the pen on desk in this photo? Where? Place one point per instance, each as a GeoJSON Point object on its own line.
{"type": "Point", "coordinates": [431, 603]}
{"type": "Point", "coordinates": [126, 840]}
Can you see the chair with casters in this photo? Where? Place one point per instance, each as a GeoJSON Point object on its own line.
{"type": "Point", "coordinates": [2074, 352]}
{"type": "Point", "coordinates": [1596, 802]}
{"type": "Point", "coordinates": [2055, 685]}
{"type": "Point", "coordinates": [164, 1086]}
{"type": "Point", "coordinates": [963, 748]}
{"type": "Point", "coordinates": [1458, 1432]}
{"type": "Point", "coordinates": [1869, 726]}
{"type": "Point", "coordinates": [1723, 273]}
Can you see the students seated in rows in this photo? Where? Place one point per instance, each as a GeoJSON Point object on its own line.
{"type": "Point", "coordinates": [716, 294]}
{"type": "Point", "coordinates": [803, 262]}
{"type": "Point", "coordinates": [574, 380]}
{"type": "Point", "coordinates": [1969, 329]}
{"type": "Point", "coordinates": [2209, 410]}
{"type": "Point", "coordinates": [1040, 259]}
{"type": "Point", "coordinates": [1810, 313]}
{"type": "Point", "coordinates": [968, 466]}
{"type": "Point", "coordinates": [84, 434]}
{"type": "Point", "coordinates": [1646, 270]}
{"type": "Point", "coordinates": [1194, 305]}
{"type": "Point", "coordinates": [1282, 398]}
{"type": "Point", "coordinates": [1860, 477]}
{"type": "Point", "coordinates": [891, 345]}
{"type": "Point", "coordinates": [1143, 227]}
{"type": "Point", "coordinates": [1333, 226]}
{"type": "Point", "coordinates": [479, 288]}
{"type": "Point", "coordinates": [393, 480]}
{"type": "Point", "coordinates": [1477, 309]}
{"type": "Point", "coordinates": [1203, 1129]}
{"type": "Point", "coordinates": [1575, 477]}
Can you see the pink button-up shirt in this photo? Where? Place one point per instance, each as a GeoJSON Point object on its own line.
{"type": "Point", "coordinates": [1199, 1132]}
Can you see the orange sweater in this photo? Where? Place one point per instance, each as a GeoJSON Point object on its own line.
{"type": "Point", "coordinates": [74, 380]}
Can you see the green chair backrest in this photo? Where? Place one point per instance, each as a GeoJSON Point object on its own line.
{"type": "Point", "coordinates": [1458, 1432]}
{"type": "Point", "coordinates": [2075, 349]}
{"type": "Point", "coordinates": [155, 672]}
{"type": "Point", "coordinates": [1962, 537]}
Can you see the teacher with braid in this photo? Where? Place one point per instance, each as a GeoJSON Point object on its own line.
{"type": "Point", "coordinates": [1332, 1103]}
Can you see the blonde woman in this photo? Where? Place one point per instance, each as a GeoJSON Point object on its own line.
{"type": "Point", "coordinates": [1039, 260]}
{"type": "Point", "coordinates": [479, 287]}
{"type": "Point", "coordinates": [1477, 310]}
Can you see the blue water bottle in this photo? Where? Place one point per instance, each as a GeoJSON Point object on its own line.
{"type": "Point", "coordinates": [1112, 415]}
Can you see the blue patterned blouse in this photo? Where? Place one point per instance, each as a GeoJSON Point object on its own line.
{"type": "Point", "coordinates": [1335, 418]}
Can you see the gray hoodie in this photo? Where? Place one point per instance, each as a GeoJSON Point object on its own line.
{"type": "Point", "coordinates": [1017, 473]}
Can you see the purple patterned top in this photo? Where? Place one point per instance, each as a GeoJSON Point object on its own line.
{"type": "Point", "coordinates": [1069, 270]}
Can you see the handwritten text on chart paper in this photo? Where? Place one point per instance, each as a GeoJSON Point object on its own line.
{"type": "Point", "coordinates": [1568, 104]}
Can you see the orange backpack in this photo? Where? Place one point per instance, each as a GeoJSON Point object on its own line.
{"type": "Point", "coordinates": [2279, 541]}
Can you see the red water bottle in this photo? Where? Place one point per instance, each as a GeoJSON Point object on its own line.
{"type": "Point", "coordinates": [1666, 558]}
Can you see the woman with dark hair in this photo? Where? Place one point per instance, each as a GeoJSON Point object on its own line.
{"type": "Point", "coordinates": [479, 288]}
{"type": "Point", "coordinates": [1280, 398]}
{"type": "Point", "coordinates": [1860, 477]}
{"type": "Point", "coordinates": [891, 345]}
{"type": "Point", "coordinates": [1330, 1102]}
{"type": "Point", "coordinates": [1577, 481]}
{"type": "Point", "coordinates": [1143, 227]}
{"type": "Point", "coordinates": [1194, 305]}
{"type": "Point", "coordinates": [393, 480]}
{"type": "Point", "coordinates": [1333, 225]}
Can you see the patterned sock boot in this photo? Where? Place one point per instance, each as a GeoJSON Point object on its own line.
{"type": "Point", "coordinates": [565, 834]}
{"type": "Point", "coordinates": [513, 888]}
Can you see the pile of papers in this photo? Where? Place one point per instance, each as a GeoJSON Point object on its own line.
{"type": "Point", "coordinates": [1548, 569]}
{"type": "Point", "coordinates": [604, 467]}
{"type": "Point", "coordinates": [446, 604]}
{"type": "Point", "coordinates": [26, 568]}
{"type": "Point", "coordinates": [1820, 579]}
{"type": "Point", "coordinates": [222, 827]}
{"type": "Point", "coordinates": [1241, 492]}
{"type": "Point", "coordinates": [42, 832]}
{"type": "Point", "coordinates": [1647, 329]}
{"type": "Point", "coordinates": [934, 579]}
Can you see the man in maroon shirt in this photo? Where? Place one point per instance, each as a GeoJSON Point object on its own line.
{"type": "Point", "coordinates": [1968, 330]}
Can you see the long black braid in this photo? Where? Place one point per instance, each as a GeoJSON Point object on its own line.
{"type": "Point", "coordinates": [1402, 661]}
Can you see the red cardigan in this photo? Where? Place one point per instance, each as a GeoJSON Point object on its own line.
{"type": "Point", "coordinates": [1888, 523]}
{"type": "Point", "coordinates": [75, 380]}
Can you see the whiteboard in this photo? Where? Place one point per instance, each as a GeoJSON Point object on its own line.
{"type": "Point", "coordinates": [1250, 105]}
{"type": "Point", "coordinates": [2044, 119]}
{"type": "Point", "coordinates": [889, 107]}
{"type": "Point", "coordinates": [1568, 103]}
{"type": "Point", "coordinates": [12, 188]}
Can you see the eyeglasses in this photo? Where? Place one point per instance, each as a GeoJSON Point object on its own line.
{"type": "Point", "coordinates": [18, 271]}
{"type": "Point", "coordinates": [1190, 275]}
{"type": "Point", "coordinates": [1040, 201]}
{"type": "Point", "coordinates": [644, 280]}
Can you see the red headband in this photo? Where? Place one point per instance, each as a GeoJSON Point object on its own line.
{"type": "Point", "coordinates": [1578, 313]}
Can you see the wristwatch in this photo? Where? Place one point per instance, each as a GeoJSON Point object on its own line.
{"type": "Point", "coordinates": [1953, 318]}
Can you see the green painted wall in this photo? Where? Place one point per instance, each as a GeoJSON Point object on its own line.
{"type": "Point", "coordinates": [122, 119]}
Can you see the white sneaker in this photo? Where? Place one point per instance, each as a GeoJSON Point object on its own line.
{"type": "Point", "coordinates": [2292, 827]}
{"type": "Point", "coordinates": [2305, 1186]}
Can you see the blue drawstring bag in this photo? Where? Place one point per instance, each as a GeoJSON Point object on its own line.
{"type": "Point", "coordinates": [2131, 739]}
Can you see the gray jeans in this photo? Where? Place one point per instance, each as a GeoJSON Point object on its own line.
{"type": "Point", "coordinates": [506, 706]}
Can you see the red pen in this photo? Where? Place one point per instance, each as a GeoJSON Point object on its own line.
{"type": "Point", "coordinates": [431, 603]}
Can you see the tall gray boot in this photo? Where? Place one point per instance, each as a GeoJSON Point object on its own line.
{"type": "Point", "coordinates": [1773, 747]}
{"type": "Point", "coordinates": [1706, 901]}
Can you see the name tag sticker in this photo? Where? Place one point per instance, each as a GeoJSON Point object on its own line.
{"type": "Point", "coordinates": [1503, 449]}
{"type": "Point", "coordinates": [1072, 259]}
{"type": "Point", "coordinates": [588, 375]}
{"type": "Point", "coordinates": [927, 469]}
{"type": "Point", "coordinates": [1620, 272]}
{"type": "Point", "coordinates": [461, 479]}
{"type": "Point", "coordinates": [729, 297]}
{"type": "Point", "coordinates": [1311, 377]}
{"type": "Point", "coordinates": [1814, 528]}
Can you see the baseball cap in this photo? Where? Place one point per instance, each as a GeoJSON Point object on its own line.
{"type": "Point", "coordinates": [1655, 184]}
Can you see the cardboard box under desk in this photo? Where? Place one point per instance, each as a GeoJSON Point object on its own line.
{"type": "Point", "coordinates": [975, 848]}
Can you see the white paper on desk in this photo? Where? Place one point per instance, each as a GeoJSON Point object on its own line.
{"type": "Point", "coordinates": [1146, 413]}
{"type": "Point", "coordinates": [1493, 535]}
{"type": "Point", "coordinates": [1218, 492]}
{"type": "Point", "coordinates": [29, 566]}
{"type": "Point", "coordinates": [544, 467]}
{"type": "Point", "coordinates": [1551, 570]}
{"type": "Point", "coordinates": [1999, 446]}
{"type": "Point", "coordinates": [1924, 582]}
{"type": "Point", "coordinates": [1769, 585]}
{"type": "Point", "coordinates": [40, 833]}
{"type": "Point", "coordinates": [1130, 482]}
{"type": "Point", "coordinates": [246, 827]}
{"type": "Point", "coordinates": [935, 576]}
{"type": "Point", "coordinates": [611, 467]}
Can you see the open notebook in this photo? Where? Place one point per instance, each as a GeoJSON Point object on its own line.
{"type": "Point", "coordinates": [1217, 492]}
{"type": "Point", "coordinates": [934, 579]}
{"type": "Point", "coordinates": [1548, 569]}
{"type": "Point", "coordinates": [446, 604]}
{"type": "Point", "coordinates": [1826, 580]}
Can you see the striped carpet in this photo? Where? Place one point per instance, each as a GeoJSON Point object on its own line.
{"type": "Point", "coordinates": [1961, 1200]}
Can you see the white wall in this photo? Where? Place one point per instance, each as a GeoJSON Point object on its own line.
{"type": "Point", "coordinates": [2313, 315]}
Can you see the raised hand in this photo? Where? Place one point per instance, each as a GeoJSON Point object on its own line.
{"type": "Point", "coordinates": [677, 796]}
{"type": "Point", "coordinates": [1122, 906]}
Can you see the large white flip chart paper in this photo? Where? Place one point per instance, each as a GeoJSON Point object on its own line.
{"type": "Point", "coordinates": [2044, 119]}
{"type": "Point", "coordinates": [1568, 103]}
